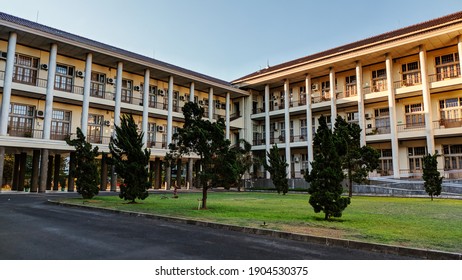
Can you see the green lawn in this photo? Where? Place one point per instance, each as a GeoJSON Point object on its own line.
{"type": "Point", "coordinates": [412, 222]}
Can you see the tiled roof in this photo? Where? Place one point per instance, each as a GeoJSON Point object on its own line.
{"type": "Point", "coordinates": [92, 43]}
{"type": "Point", "coordinates": [375, 39]}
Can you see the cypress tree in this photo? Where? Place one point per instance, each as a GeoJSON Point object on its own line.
{"type": "Point", "coordinates": [326, 175]}
{"type": "Point", "coordinates": [130, 160]}
{"type": "Point", "coordinates": [85, 172]}
{"type": "Point", "coordinates": [431, 175]}
{"type": "Point", "coordinates": [277, 168]}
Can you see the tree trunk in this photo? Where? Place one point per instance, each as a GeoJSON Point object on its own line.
{"type": "Point", "coordinates": [326, 217]}
{"type": "Point", "coordinates": [204, 196]}
{"type": "Point", "coordinates": [350, 185]}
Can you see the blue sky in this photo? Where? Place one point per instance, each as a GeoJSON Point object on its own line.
{"type": "Point", "coordinates": [228, 39]}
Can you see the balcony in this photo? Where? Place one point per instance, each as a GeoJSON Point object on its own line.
{"type": "Point", "coordinates": [157, 144]}
{"type": "Point", "coordinates": [378, 130]}
{"type": "Point", "coordinates": [235, 116]}
{"type": "Point", "coordinates": [297, 138]}
{"type": "Point", "coordinates": [447, 123]}
{"type": "Point", "coordinates": [26, 132]}
{"type": "Point", "coordinates": [410, 80]}
{"type": "Point", "coordinates": [411, 127]}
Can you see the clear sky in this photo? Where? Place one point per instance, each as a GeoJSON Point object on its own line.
{"type": "Point", "coordinates": [232, 38]}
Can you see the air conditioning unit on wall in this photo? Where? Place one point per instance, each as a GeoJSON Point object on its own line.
{"type": "Point", "coordinates": [160, 128]}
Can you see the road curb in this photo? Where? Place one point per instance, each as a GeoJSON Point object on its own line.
{"type": "Point", "coordinates": [351, 244]}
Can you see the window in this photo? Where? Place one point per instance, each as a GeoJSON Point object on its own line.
{"type": "Point", "coordinates": [152, 130]}
{"type": "Point", "coordinates": [20, 120]}
{"type": "Point", "coordinates": [451, 112]}
{"type": "Point", "coordinates": [415, 155]}
{"type": "Point", "coordinates": [352, 117]}
{"type": "Point", "coordinates": [414, 115]}
{"type": "Point", "coordinates": [386, 162]}
{"type": "Point", "coordinates": [25, 69]}
{"type": "Point", "coordinates": [452, 157]}
{"type": "Point", "coordinates": [350, 82]}
{"type": "Point", "coordinates": [98, 84]}
{"type": "Point", "coordinates": [127, 91]}
{"type": "Point", "coordinates": [382, 120]}
{"type": "Point", "coordinates": [64, 77]}
{"type": "Point", "coordinates": [60, 124]}
{"type": "Point", "coordinates": [325, 91]}
{"type": "Point", "coordinates": [95, 128]}
{"type": "Point", "coordinates": [303, 129]}
{"type": "Point", "coordinates": [447, 66]}
{"type": "Point", "coordinates": [411, 73]}
{"type": "Point", "coordinates": [379, 80]}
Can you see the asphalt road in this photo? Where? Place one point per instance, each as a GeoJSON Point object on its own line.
{"type": "Point", "coordinates": [33, 229]}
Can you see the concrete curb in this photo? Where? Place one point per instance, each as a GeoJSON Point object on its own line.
{"type": "Point", "coordinates": [373, 247]}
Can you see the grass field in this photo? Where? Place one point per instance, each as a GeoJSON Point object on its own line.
{"type": "Point", "coordinates": [411, 222]}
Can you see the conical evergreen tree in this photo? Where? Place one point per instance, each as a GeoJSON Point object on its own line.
{"type": "Point", "coordinates": [130, 160]}
{"type": "Point", "coordinates": [431, 175]}
{"type": "Point", "coordinates": [85, 172]}
{"type": "Point", "coordinates": [326, 175]}
{"type": "Point", "coordinates": [277, 168]}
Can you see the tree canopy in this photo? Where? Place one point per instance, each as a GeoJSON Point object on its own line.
{"type": "Point", "coordinates": [203, 138]}
{"type": "Point", "coordinates": [130, 159]}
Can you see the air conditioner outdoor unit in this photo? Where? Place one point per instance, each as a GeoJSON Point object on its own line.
{"type": "Point", "coordinates": [110, 81]}
{"type": "Point", "coordinates": [275, 104]}
{"type": "Point", "coordinates": [182, 97]}
{"type": "Point", "coordinates": [39, 114]}
{"type": "Point", "coordinates": [136, 88]}
{"type": "Point", "coordinates": [223, 106]}
{"type": "Point", "coordinates": [367, 116]}
{"type": "Point", "coordinates": [44, 66]}
{"type": "Point", "coordinates": [369, 125]}
{"type": "Point", "coordinates": [79, 74]}
{"type": "Point", "coordinates": [107, 123]}
{"type": "Point", "coordinates": [201, 102]}
{"type": "Point", "coordinates": [315, 87]}
{"type": "Point", "coordinates": [296, 159]}
{"type": "Point", "coordinates": [3, 55]}
{"type": "Point", "coordinates": [160, 128]}
{"type": "Point", "coordinates": [161, 92]}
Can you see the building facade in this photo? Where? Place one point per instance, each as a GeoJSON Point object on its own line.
{"type": "Point", "coordinates": [403, 88]}
{"type": "Point", "coordinates": [52, 82]}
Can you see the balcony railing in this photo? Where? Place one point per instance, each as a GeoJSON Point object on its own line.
{"type": "Point", "coordinates": [25, 132]}
{"type": "Point", "coordinates": [447, 123]}
{"type": "Point", "coordinates": [445, 75]}
{"type": "Point", "coordinates": [378, 130]}
{"type": "Point", "coordinates": [410, 81]}
{"type": "Point", "coordinates": [157, 144]}
{"type": "Point", "coordinates": [234, 116]}
{"type": "Point", "coordinates": [411, 127]}
{"type": "Point", "coordinates": [298, 138]}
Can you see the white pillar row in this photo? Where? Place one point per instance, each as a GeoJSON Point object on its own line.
{"type": "Point", "coordinates": [228, 100]}
{"type": "Point", "coordinates": [191, 92]}
{"type": "Point", "coordinates": [170, 111]}
{"type": "Point", "coordinates": [50, 91]}
{"type": "Point", "coordinates": [86, 94]}
{"type": "Point", "coordinates": [333, 97]}
{"type": "Point", "coordinates": [287, 126]}
{"type": "Point", "coordinates": [393, 123]}
{"type": "Point", "coordinates": [118, 93]}
{"type": "Point", "coordinates": [459, 50]}
{"type": "Point", "coordinates": [144, 123]}
{"type": "Point", "coordinates": [7, 84]}
{"type": "Point", "coordinates": [267, 125]}
{"type": "Point", "coordinates": [309, 123]}
{"type": "Point", "coordinates": [359, 91]}
{"type": "Point", "coordinates": [426, 101]}
{"type": "Point", "coordinates": [211, 104]}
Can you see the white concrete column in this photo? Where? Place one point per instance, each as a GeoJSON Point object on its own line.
{"type": "Point", "coordinates": [211, 104]}
{"type": "Point", "coordinates": [309, 122]}
{"type": "Point", "coordinates": [426, 101]}
{"type": "Point", "coordinates": [86, 94]}
{"type": "Point", "coordinates": [144, 123]}
{"type": "Point", "coordinates": [118, 93]}
{"type": "Point", "coordinates": [287, 125]}
{"type": "Point", "coordinates": [459, 50]}
{"type": "Point", "coordinates": [2, 164]}
{"type": "Point", "coordinates": [191, 92]}
{"type": "Point", "coordinates": [267, 125]}
{"type": "Point", "coordinates": [333, 97]}
{"type": "Point", "coordinates": [393, 123]}
{"type": "Point", "coordinates": [228, 100]}
{"type": "Point", "coordinates": [359, 90]}
{"type": "Point", "coordinates": [7, 84]}
{"type": "Point", "coordinates": [170, 111]}
{"type": "Point", "coordinates": [50, 91]}
{"type": "Point", "coordinates": [247, 133]}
